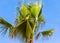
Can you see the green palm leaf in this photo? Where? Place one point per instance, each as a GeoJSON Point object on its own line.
{"type": "Point", "coordinates": [5, 25]}
{"type": "Point", "coordinates": [24, 10]}
{"type": "Point", "coordinates": [20, 29]}
{"type": "Point", "coordinates": [3, 22]}
{"type": "Point", "coordinates": [47, 33]}
{"type": "Point", "coordinates": [36, 9]}
{"type": "Point", "coordinates": [24, 29]}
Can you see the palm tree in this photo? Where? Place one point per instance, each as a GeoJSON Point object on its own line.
{"type": "Point", "coordinates": [27, 22]}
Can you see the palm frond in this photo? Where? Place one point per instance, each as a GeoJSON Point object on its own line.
{"type": "Point", "coordinates": [23, 29]}
{"type": "Point", "coordinates": [36, 10]}
{"type": "Point", "coordinates": [24, 10]}
{"type": "Point", "coordinates": [5, 25]}
{"type": "Point", "coordinates": [47, 33]}
{"type": "Point", "coordinates": [18, 30]}
{"type": "Point", "coordinates": [4, 22]}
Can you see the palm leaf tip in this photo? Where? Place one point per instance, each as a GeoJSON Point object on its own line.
{"type": "Point", "coordinates": [35, 10]}
{"type": "Point", "coordinates": [24, 10]}
{"type": "Point", "coordinates": [47, 33]}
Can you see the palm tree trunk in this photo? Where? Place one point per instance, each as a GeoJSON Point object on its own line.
{"type": "Point", "coordinates": [30, 40]}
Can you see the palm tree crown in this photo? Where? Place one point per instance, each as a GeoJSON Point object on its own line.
{"type": "Point", "coordinates": [27, 22]}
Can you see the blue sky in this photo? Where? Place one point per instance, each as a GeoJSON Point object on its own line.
{"type": "Point", "coordinates": [51, 12]}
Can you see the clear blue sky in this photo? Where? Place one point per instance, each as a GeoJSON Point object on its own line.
{"type": "Point", "coordinates": [51, 12]}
